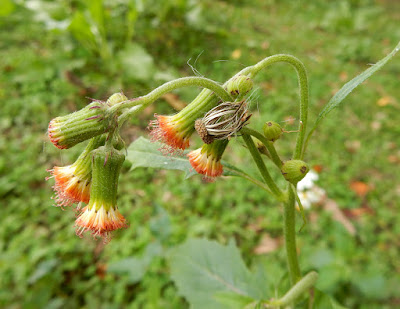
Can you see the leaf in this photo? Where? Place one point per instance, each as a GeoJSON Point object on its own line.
{"type": "Point", "coordinates": [134, 268]}
{"type": "Point", "coordinates": [338, 98]}
{"type": "Point", "coordinates": [205, 272]}
{"type": "Point", "coordinates": [136, 62]}
{"type": "Point", "coordinates": [144, 153]}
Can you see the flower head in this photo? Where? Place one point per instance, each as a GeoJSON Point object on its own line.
{"type": "Point", "coordinates": [67, 131]}
{"type": "Point", "coordinates": [72, 182]}
{"type": "Point", "coordinates": [223, 121]}
{"type": "Point", "coordinates": [101, 215]}
{"type": "Point", "coordinates": [176, 130]}
{"type": "Point", "coordinates": [207, 159]}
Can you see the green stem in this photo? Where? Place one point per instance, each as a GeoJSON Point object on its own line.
{"type": "Point", "coordinates": [249, 178]}
{"type": "Point", "coordinates": [172, 85]}
{"type": "Point", "coordinates": [269, 145]}
{"type": "Point", "coordinates": [262, 168]}
{"type": "Point", "coordinates": [303, 85]}
{"type": "Point", "coordinates": [289, 225]}
{"type": "Point", "coordinates": [296, 291]}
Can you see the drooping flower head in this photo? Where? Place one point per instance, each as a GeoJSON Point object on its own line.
{"type": "Point", "coordinates": [92, 120]}
{"type": "Point", "coordinates": [176, 130]}
{"type": "Point", "coordinates": [101, 215]}
{"type": "Point", "coordinates": [207, 159]}
{"type": "Point", "coordinates": [72, 182]}
{"type": "Point", "coordinates": [223, 121]}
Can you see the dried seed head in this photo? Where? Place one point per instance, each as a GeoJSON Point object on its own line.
{"type": "Point", "coordinates": [223, 121]}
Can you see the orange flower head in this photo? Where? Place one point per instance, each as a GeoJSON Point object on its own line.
{"type": "Point", "coordinates": [171, 132]}
{"type": "Point", "coordinates": [176, 130]}
{"type": "Point", "coordinates": [207, 159]}
{"type": "Point", "coordinates": [72, 182]}
{"type": "Point", "coordinates": [101, 215]}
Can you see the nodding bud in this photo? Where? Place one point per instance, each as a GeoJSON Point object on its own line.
{"type": "Point", "coordinates": [101, 215]}
{"type": "Point", "coordinates": [272, 131]}
{"type": "Point", "coordinates": [294, 170]}
{"type": "Point", "coordinates": [67, 131]}
{"type": "Point", "coordinates": [222, 121]}
{"type": "Point", "coordinates": [116, 98]}
{"type": "Point", "coordinates": [239, 85]}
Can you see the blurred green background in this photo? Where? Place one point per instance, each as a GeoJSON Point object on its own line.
{"type": "Point", "coordinates": [57, 54]}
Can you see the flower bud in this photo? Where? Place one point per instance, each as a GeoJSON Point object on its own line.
{"type": "Point", "coordinates": [272, 131]}
{"type": "Point", "coordinates": [294, 170]}
{"type": "Point", "coordinates": [116, 98]}
{"type": "Point", "coordinates": [101, 215]}
{"type": "Point", "coordinates": [67, 131]}
{"type": "Point", "coordinates": [239, 85]}
{"type": "Point", "coordinates": [207, 159]}
{"type": "Point", "coordinates": [222, 121]}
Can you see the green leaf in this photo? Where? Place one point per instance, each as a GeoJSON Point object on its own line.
{"type": "Point", "coordinates": [136, 62]}
{"type": "Point", "coordinates": [338, 98]}
{"type": "Point", "coordinates": [144, 153]}
{"type": "Point", "coordinates": [134, 268]}
{"type": "Point", "coordinates": [206, 273]}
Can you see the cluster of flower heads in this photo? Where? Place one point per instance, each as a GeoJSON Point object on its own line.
{"type": "Point", "coordinates": [215, 128]}
{"type": "Point", "coordinates": [93, 178]}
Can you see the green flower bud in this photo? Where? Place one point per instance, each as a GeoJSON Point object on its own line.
{"type": "Point", "coordinates": [116, 98]}
{"type": "Point", "coordinates": [239, 85]}
{"type": "Point", "coordinates": [67, 131]}
{"type": "Point", "coordinates": [272, 131]}
{"type": "Point", "coordinates": [294, 170]}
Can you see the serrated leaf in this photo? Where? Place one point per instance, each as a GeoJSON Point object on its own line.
{"type": "Point", "coordinates": [205, 272]}
{"type": "Point", "coordinates": [338, 98]}
{"type": "Point", "coordinates": [144, 153]}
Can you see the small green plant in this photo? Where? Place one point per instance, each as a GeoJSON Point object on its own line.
{"type": "Point", "coordinates": [207, 274]}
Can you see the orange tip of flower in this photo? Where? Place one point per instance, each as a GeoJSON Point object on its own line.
{"type": "Point", "coordinates": [52, 132]}
{"type": "Point", "coordinates": [165, 130]}
{"type": "Point", "coordinates": [204, 164]}
{"type": "Point", "coordinates": [100, 222]}
{"type": "Point", "coordinates": [68, 187]}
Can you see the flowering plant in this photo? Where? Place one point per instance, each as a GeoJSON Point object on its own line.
{"type": "Point", "coordinates": [218, 114]}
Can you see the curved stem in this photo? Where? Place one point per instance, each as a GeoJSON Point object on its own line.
{"type": "Point", "coordinates": [297, 290]}
{"type": "Point", "coordinates": [172, 85]}
{"type": "Point", "coordinates": [262, 168]}
{"type": "Point", "coordinates": [303, 85]}
{"type": "Point", "coordinates": [269, 145]}
{"type": "Point", "coordinates": [289, 225]}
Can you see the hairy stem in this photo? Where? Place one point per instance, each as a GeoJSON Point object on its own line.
{"type": "Point", "coordinates": [262, 168]}
{"type": "Point", "coordinates": [296, 291]}
{"type": "Point", "coordinates": [168, 87]}
{"type": "Point", "coordinates": [303, 85]}
{"type": "Point", "coordinates": [289, 225]}
{"type": "Point", "coordinates": [269, 145]}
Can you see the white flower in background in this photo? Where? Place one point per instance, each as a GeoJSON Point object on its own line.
{"type": "Point", "coordinates": [309, 193]}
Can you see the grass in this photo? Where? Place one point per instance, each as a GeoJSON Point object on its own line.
{"type": "Point", "coordinates": [49, 73]}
